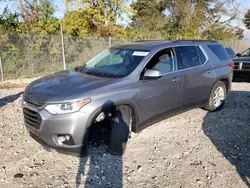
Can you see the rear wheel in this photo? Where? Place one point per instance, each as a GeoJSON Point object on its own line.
{"type": "Point", "coordinates": [120, 128]}
{"type": "Point", "coordinates": [217, 97]}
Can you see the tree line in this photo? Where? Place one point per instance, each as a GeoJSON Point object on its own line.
{"type": "Point", "coordinates": [30, 41]}
{"type": "Point", "coordinates": [140, 19]}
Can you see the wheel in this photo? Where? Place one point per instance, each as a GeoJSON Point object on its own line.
{"type": "Point", "coordinates": [217, 97]}
{"type": "Point", "coordinates": [120, 128]}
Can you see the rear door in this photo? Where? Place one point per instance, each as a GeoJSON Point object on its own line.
{"type": "Point", "coordinates": [199, 75]}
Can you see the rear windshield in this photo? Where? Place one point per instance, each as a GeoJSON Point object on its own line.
{"type": "Point", "coordinates": [220, 52]}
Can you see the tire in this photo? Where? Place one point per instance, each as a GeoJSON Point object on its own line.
{"type": "Point", "coordinates": [212, 106]}
{"type": "Point", "coordinates": [120, 128]}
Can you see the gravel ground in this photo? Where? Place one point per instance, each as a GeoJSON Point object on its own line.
{"type": "Point", "coordinates": [193, 149]}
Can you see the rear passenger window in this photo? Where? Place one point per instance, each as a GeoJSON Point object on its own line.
{"type": "Point", "coordinates": [219, 51]}
{"type": "Point", "coordinates": [188, 57]}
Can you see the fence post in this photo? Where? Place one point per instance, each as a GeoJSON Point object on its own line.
{"type": "Point", "coordinates": [110, 41]}
{"type": "Point", "coordinates": [1, 69]}
{"type": "Point", "coordinates": [64, 64]}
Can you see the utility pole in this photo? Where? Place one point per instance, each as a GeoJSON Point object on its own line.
{"type": "Point", "coordinates": [63, 54]}
{"type": "Point", "coordinates": [1, 69]}
{"type": "Point", "coordinates": [21, 7]}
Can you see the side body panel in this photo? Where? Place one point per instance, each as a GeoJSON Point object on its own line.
{"type": "Point", "coordinates": [198, 82]}
{"type": "Point", "coordinates": [160, 97]}
{"type": "Point", "coordinates": [221, 69]}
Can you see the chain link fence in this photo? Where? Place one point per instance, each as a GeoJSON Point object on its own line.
{"type": "Point", "coordinates": [237, 45]}
{"type": "Point", "coordinates": [33, 56]}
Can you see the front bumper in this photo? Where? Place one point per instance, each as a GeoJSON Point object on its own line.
{"type": "Point", "coordinates": [74, 125]}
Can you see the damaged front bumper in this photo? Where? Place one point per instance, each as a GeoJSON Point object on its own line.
{"type": "Point", "coordinates": [66, 132]}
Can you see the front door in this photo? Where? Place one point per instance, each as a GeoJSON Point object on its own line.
{"type": "Point", "coordinates": [161, 96]}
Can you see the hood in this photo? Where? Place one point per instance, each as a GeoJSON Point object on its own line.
{"type": "Point", "coordinates": [239, 59]}
{"type": "Point", "coordinates": [63, 85]}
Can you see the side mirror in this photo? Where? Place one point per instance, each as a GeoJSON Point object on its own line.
{"type": "Point", "coordinates": [238, 54]}
{"type": "Point", "coordinates": [150, 73]}
{"type": "Point", "coordinates": [79, 68]}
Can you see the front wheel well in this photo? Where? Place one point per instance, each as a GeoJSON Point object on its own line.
{"type": "Point", "coordinates": [108, 113]}
{"type": "Point", "coordinates": [99, 129]}
{"type": "Point", "coordinates": [133, 115]}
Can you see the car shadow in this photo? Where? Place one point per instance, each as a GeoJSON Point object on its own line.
{"type": "Point", "coordinates": [229, 131]}
{"type": "Point", "coordinates": [97, 168]}
{"type": "Point", "coordinates": [9, 99]}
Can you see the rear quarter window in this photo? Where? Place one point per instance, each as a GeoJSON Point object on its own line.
{"type": "Point", "coordinates": [219, 51]}
{"type": "Point", "coordinates": [230, 51]}
{"type": "Point", "coordinates": [202, 57]}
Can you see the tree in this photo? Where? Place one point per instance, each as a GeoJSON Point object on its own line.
{"type": "Point", "coordinates": [220, 32]}
{"type": "Point", "coordinates": [192, 18]}
{"type": "Point", "coordinates": [28, 9]}
{"type": "Point", "coordinates": [102, 15]}
{"type": "Point", "coordinates": [76, 23]}
{"type": "Point", "coordinates": [148, 14]}
{"type": "Point", "coordinates": [38, 17]}
{"type": "Point", "coordinates": [246, 19]}
{"type": "Point", "coordinates": [180, 19]}
{"type": "Point", "coordinates": [9, 22]}
{"type": "Point", "coordinates": [239, 33]}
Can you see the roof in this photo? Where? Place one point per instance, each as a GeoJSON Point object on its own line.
{"type": "Point", "coordinates": [150, 44]}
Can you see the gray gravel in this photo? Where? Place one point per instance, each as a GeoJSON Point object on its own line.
{"type": "Point", "coordinates": [193, 149]}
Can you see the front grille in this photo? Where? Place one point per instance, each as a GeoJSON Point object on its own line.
{"type": "Point", "coordinates": [34, 103]}
{"type": "Point", "coordinates": [246, 66]}
{"type": "Point", "coordinates": [32, 118]}
{"type": "Point", "coordinates": [241, 66]}
{"type": "Point", "coordinates": [236, 65]}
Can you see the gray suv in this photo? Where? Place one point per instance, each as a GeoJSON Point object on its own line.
{"type": "Point", "coordinates": [129, 87]}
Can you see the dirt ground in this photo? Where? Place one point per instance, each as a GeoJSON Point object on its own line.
{"type": "Point", "coordinates": [20, 83]}
{"type": "Point", "coordinates": [193, 149]}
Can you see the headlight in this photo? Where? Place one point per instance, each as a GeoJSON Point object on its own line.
{"type": "Point", "coordinates": [65, 108]}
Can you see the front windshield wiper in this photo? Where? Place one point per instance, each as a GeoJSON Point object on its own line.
{"type": "Point", "coordinates": [99, 74]}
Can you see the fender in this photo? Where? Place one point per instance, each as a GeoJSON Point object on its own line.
{"type": "Point", "coordinates": [111, 105]}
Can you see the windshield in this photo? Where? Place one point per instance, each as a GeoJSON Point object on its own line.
{"type": "Point", "coordinates": [246, 53]}
{"type": "Point", "coordinates": [114, 62]}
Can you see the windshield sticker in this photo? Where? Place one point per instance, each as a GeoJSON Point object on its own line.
{"type": "Point", "coordinates": [140, 53]}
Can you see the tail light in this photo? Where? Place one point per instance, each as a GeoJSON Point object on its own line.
{"type": "Point", "coordinates": [231, 64]}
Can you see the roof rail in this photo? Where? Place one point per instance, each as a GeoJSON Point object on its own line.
{"type": "Point", "coordinates": [150, 40]}
{"type": "Point", "coordinates": [194, 41]}
{"type": "Point", "coordinates": [175, 41]}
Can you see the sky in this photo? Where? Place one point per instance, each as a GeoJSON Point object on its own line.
{"type": "Point", "coordinates": [243, 6]}
{"type": "Point", "coordinates": [61, 8]}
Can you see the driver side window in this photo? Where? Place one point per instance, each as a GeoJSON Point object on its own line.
{"type": "Point", "coordinates": [163, 61]}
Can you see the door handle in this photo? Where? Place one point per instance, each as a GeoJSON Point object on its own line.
{"type": "Point", "coordinates": [209, 70]}
{"type": "Point", "coordinates": [176, 79]}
